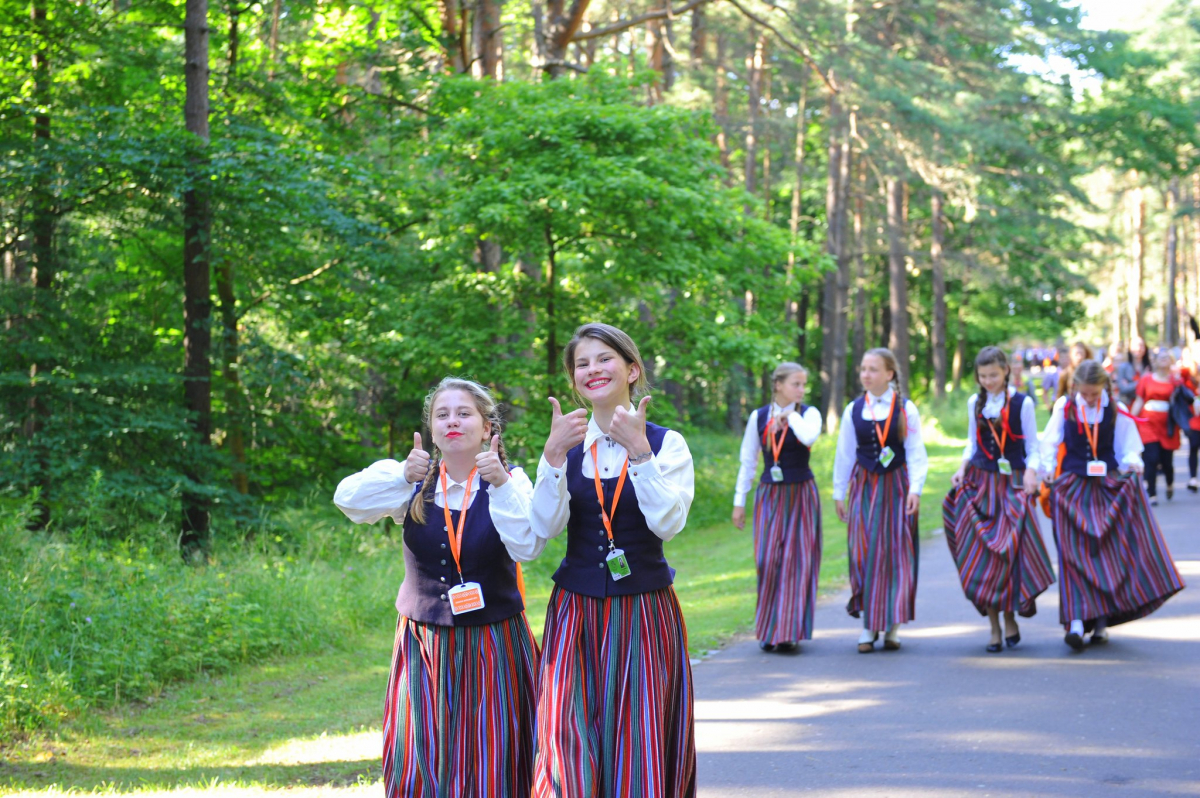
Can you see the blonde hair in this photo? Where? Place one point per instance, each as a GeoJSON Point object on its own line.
{"type": "Point", "coordinates": [487, 406]}
{"type": "Point", "coordinates": [891, 364]}
{"type": "Point", "coordinates": [990, 356]}
{"type": "Point", "coordinates": [620, 342]}
{"type": "Point", "coordinates": [1090, 372]}
{"type": "Point", "coordinates": [785, 370]}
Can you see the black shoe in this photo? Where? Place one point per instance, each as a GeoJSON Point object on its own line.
{"type": "Point", "coordinates": [768, 647]}
{"type": "Point", "coordinates": [1074, 641]}
{"type": "Point", "coordinates": [787, 648]}
{"type": "Point", "coordinates": [1170, 492]}
{"type": "Point", "coordinates": [1011, 642]}
{"type": "Point", "coordinates": [1098, 639]}
{"type": "Point", "coordinates": [994, 648]}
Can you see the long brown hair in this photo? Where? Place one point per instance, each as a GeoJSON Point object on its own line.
{"type": "Point", "coordinates": [891, 364]}
{"type": "Point", "coordinates": [1066, 370]}
{"type": "Point", "coordinates": [487, 406]}
{"type": "Point", "coordinates": [990, 356]}
{"type": "Point", "coordinates": [1091, 372]}
{"type": "Point", "coordinates": [620, 342]}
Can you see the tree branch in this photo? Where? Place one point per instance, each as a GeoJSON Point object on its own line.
{"type": "Point", "coordinates": [801, 50]}
{"type": "Point", "coordinates": [621, 25]}
{"type": "Point", "coordinates": [304, 278]}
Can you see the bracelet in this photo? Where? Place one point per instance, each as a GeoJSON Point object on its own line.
{"type": "Point", "coordinates": [641, 458]}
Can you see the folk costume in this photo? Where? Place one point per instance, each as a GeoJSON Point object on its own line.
{"type": "Point", "coordinates": [615, 712]}
{"type": "Point", "coordinates": [787, 520]}
{"type": "Point", "coordinates": [990, 521]}
{"type": "Point", "coordinates": [461, 695]}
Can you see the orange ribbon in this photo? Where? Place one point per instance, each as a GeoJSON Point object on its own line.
{"type": "Point", "coordinates": [456, 535]}
{"type": "Point", "coordinates": [606, 515]}
{"type": "Point", "coordinates": [882, 435]}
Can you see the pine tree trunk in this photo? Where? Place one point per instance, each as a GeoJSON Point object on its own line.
{"type": "Point", "coordinates": [488, 40]}
{"type": "Point", "coordinates": [859, 344]}
{"type": "Point", "coordinates": [1137, 264]}
{"type": "Point", "coordinates": [898, 300]}
{"type": "Point", "coordinates": [754, 72]}
{"type": "Point", "coordinates": [721, 105]}
{"type": "Point", "coordinates": [1170, 335]}
{"type": "Point", "coordinates": [938, 267]}
{"type": "Point", "coordinates": [699, 36]}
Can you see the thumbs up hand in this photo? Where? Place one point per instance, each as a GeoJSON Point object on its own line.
{"type": "Point", "coordinates": [629, 429]}
{"type": "Point", "coordinates": [416, 466]}
{"type": "Point", "coordinates": [489, 465]}
{"type": "Point", "coordinates": [566, 432]}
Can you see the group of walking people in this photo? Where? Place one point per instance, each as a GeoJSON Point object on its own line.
{"type": "Point", "coordinates": [605, 707]}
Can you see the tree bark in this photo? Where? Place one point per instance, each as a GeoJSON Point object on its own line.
{"type": "Point", "coordinates": [273, 41]}
{"type": "Point", "coordinates": [699, 36]}
{"type": "Point", "coordinates": [721, 105]}
{"type": "Point", "coordinates": [488, 61]}
{"type": "Point", "coordinates": [798, 158]}
{"type": "Point", "coordinates": [898, 297]}
{"type": "Point", "coordinates": [1170, 336]}
{"type": "Point", "coordinates": [938, 269]}
{"type": "Point", "coordinates": [754, 77]}
{"type": "Point", "coordinates": [1137, 263]}
{"type": "Point", "coordinates": [765, 143]}
{"type": "Point", "coordinates": [859, 342]}
{"type": "Point", "coordinates": [452, 38]}
{"type": "Point", "coordinates": [833, 313]}
{"type": "Point", "coordinates": [197, 303]}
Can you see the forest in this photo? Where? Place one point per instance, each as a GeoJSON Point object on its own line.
{"type": "Point", "coordinates": [241, 239]}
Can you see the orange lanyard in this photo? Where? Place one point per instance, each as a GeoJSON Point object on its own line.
{"type": "Point", "coordinates": [882, 435]}
{"type": "Point", "coordinates": [1002, 437]}
{"type": "Point", "coordinates": [456, 535]}
{"type": "Point", "coordinates": [606, 515]}
{"type": "Point", "coordinates": [1093, 432]}
{"type": "Point", "coordinates": [776, 446]}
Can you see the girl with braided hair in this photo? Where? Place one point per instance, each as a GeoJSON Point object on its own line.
{"type": "Point", "coordinates": [881, 464]}
{"type": "Point", "coordinates": [989, 513]}
{"type": "Point", "coordinates": [461, 697]}
{"type": "Point", "coordinates": [1113, 564]}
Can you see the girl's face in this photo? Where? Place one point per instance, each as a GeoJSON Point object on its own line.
{"type": "Point", "coordinates": [1078, 355]}
{"type": "Point", "coordinates": [874, 374]}
{"type": "Point", "coordinates": [790, 390]}
{"type": "Point", "coordinates": [1137, 347]}
{"type": "Point", "coordinates": [602, 376]}
{"type": "Point", "coordinates": [1163, 362]}
{"type": "Point", "coordinates": [457, 424]}
{"type": "Point", "coordinates": [1091, 393]}
{"type": "Point", "coordinates": [991, 377]}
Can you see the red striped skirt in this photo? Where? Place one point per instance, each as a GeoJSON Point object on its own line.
{"type": "Point", "coordinates": [994, 538]}
{"type": "Point", "coordinates": [458, 719]}
{"type": "Point", "coordinates": [615, 714]}
{"type": "Point", "coordinates": [787, 558]}
{"type": "Point", "coordinates": [883, 544]}
{"type": "Point", "coordinates": [1112, 560]}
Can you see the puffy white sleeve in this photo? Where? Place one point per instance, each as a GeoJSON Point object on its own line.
{"type": "Point", "coordinates": [969, 449]}
{"type": "Point", "coordinates": [1127, 441]}
{"type": "Point", "coordinates": [377, 491]}
{"type": "Point", "coordinates": [1050, 438]}
{"type": "Point", "coordinates": [914, 450]}
{"type": "Point", "coordinates": [1029, 430]}
{"type": "Point", "coordinates": [549, 506]}
{"type": "Point", "coordinates": [508, 505]}
{"type": "Point", "coordinates": [666, 485]}
{"type": "Point", "coordinates": [843, 460]}
{"type": "Point", "coordinates": [748, 461]}
{"type": "Point", "coordinates": [807, 427]}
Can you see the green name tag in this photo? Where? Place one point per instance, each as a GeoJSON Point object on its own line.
{"type": "Point", "coordinates": [618, 566]}
{"type": "Point", "coordinates": [1005, 466]}
{"type": "Point", "coordinates": [887, 456]}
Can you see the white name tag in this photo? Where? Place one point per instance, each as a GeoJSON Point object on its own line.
{"type": "Point", "coordinates": [776, 474]}
{"type": "Point", "coordinates": [1097, 468]}
{"type": "Point", "coordinates": [1005, 466]}
{"type": "Point", "coordinates": [887, 456]}
{"type": "Point", "coordinates": [466, 597]}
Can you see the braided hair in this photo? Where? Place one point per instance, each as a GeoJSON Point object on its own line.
{"type": "Point", "coordinates": [487, 406]}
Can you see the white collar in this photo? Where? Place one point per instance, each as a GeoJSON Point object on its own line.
{"type": "Point", "coordinates": [884, 399]}
{"type": "Point", "coordinates": [1083, 405]}
{"type": "Point", "coordinates": [594, 433]}
{"type": "Point", "coordinates": [451, 484]}
{"type": "Point", "coordinates": [782, 410]}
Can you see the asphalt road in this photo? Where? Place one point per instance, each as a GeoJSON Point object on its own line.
{"type": "Point", "coordinates": [941, 717]}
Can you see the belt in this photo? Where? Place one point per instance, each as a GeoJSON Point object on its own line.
{"type": "Point", "coordinates": [1157, 406]}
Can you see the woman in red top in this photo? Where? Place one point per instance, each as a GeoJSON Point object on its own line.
{"type": "Point", "coordinates": [1153, 401]}
{"type": "Point", "coordinates": [1190, 375]}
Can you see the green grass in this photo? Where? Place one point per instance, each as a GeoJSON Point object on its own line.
{"type": "Point", "coordinates": [311, 721]}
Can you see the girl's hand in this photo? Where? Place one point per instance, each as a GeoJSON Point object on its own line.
{"type": "Point", "coordinates": [912, 503]}
{"type": "Point", "coordinates": [416, 465]}
{"type": "Point", "coordinates": [566, 432]}
{"type": "Point", "coordinates": [841, 511]}
{"type": "Point", "coordinates": [1136, 468]}
{"type": "Point", "coordinates": [489, 465]}
{"type": "Point", "coordinates": [957, 478]}
{"type": "Point", "coordinates": [739, 517]}
{"type": "Point", "coordinates": [629, 429]}
{"type": "Point", "coordinates": [1031, 482]}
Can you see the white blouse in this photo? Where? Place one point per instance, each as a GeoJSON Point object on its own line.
{"type": "Point", "coordinates": [917, 459]}
{"type": "Point", "coordinates": [666, 484]}
{"type": "Point", "coordinates": [806, 428]}
{"type": "Point", "coordinates": [1127, 442]}
{"type": "Point", "coordinates": [992, 408]}
{"type": "Point", "coordinates": [381, 490]}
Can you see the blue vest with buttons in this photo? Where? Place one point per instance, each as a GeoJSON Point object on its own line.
{"type": "Point", "coordinates": [1014, 449]}
{"type": "Point", "coordinates": [868, 441]}
{"type": "Point", "coordinates": [793, 457]}
{"type": "Point", "coordinates": [429, 566]}
{"type": "Point", "coordinates": [1079, 450]}
{"type": "Point", "coordinates": [584, 569]}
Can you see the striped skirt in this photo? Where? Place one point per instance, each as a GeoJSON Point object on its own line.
{"type": "Point", "coordinates": [1112, 560]}
{"type": "Point", "coordinates": [615, 714]}
{"type": "Point", "coordinates": [459, 713]}
{"type": "Point", "coordinates": [787, 558]}
{"type": "Point", "coordinates": [883, 544]}
{"type": "Point", "coordinates": [995, 541]}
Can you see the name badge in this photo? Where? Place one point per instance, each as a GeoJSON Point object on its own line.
{"type": "Point", "coordinates": [466, 597]}
{"type": "Point", "coordinates": [1097, 468]}
{"type": "Point", "coordinates": [618, 566]}
{"type": "Point", "coordinates": [1005, 466]}
{"type": "Point", "coordinates": [887, 456]}
{"type": "Point", "coordinates": [776, 474]}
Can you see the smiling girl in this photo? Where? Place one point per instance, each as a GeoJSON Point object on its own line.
{"type": "Point", "coordinates": [459, 709]}
{"type": "Point", "coordinates": [615, 712]}
{"type": "Point", "coordinates": [881, 462]}
{"type": "Point", "coordinates": [1113, 564]}
{"type": "Point", "coordinates": [989, 514]}
{"type": "Point", "coordinates": [787, 511]}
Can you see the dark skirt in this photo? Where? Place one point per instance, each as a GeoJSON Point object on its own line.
{"type": "Point", "coordinates": [459, 713]}
{"type": "Point", "coordinates": [615, 714]}
{"type": "Point", "coordinates": [787, 558]}
{"type": "Point", "coordinates": [992, 531]}
{"type": "Point", "coordinates": [883, 544]}
{"type": "Point", "coordinates": [1112, 560]}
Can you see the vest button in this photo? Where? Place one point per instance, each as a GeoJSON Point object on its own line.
{"type": "Point", "coordinates": [443, 562]}
{"type": "Point", "coordinates": [601, 565]}
{"type": "Point", "coordinates": [445, 529]}
{"type": "Point", "coordinates": [599, 548]}
{"type": "Point", "coordinates": [444, 597]}
{"type": "Point", "coordinates": [443, 545]}
{"type": "Point", "coordinates": [442, 578]}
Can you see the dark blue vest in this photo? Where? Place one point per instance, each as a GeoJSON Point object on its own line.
{"type": "Point", "coordinates": [429, 567]}
{"type": "Point", "coordinates": [583, 569]}
{"type": "Point", "coordinates": [868, 441]}
{"type": "Point", "coordinates": [1079, 451]}
{"type": "Point", "coordinates": [1014, 450]}
{"type": "Point", "coordinates": [793, 457]}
